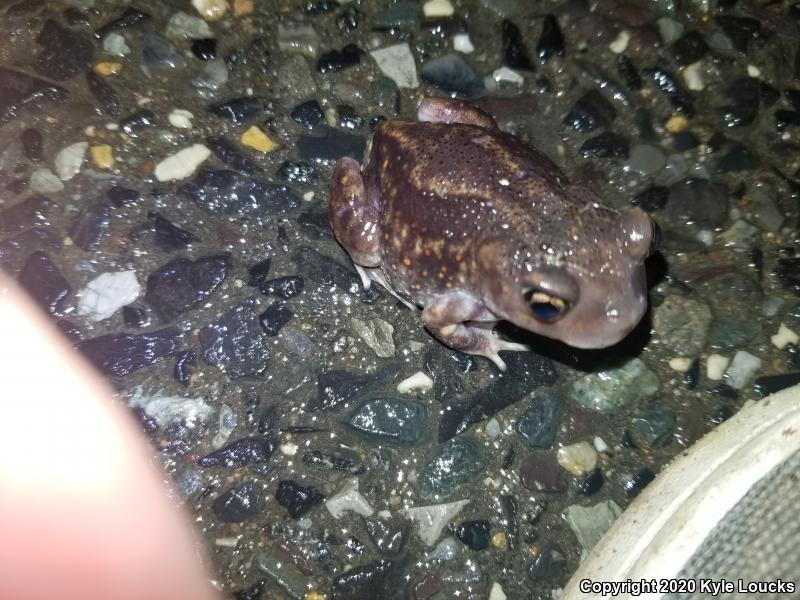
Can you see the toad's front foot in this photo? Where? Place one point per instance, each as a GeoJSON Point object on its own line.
{"type": "Point", "coordinates": [462, 323]}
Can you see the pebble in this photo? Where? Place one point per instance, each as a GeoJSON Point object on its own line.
{"type": "Point", "coordinates": [43, 281]}
{"type": "Point", "coordinates": [655, 426]}
{"type": "Point", "coordinates": [540, 422]}
{"type": "Point", "coordinates": [451, 73]}
{"type": "Point", "coordinates": [180, 118]}
{"type": "Point", "coordinates": [676, 123]}
{"type": "Point", "coordinates": [447, 549]}
{"type": "Point", "coordinates": [135, 317]}
{"type": "Point", "coordinates": [377, 334]}
{"type": "Point", "coordinates": [118, 354]}
{"type": "Point", "coordinates": [168, 410]}
{"type": "Point", "coordinates": [185, 362]}
{"type": "Point", "coordinates": [698, 201]}
{"type": "Point", "coordinates": [245, 451]}
{"type": "Point", "coordinates": [211, 77]}
{"type": "Point", "coordinates": [496, 592]}
{"type": "Point", "coordinates": [386, 534]}
{"type": "Point", "coordinates": [157, 53]}
{"type": "Point", "coordinates": [283, 287]}
{"type": "Point", "coordinates": [183, 26]}
{"type": "Point", "coordinates": [255, 138]}
{"type": "Point", "coordinates": [548, 565]}
{"type": "Point", "coordinates": [169, 237]}
{"type": "Point", "coordinates": [504, 74]}
{"type": "Point", "coordinates": [235, 342]}
{"type": "Point", "coordinates": [229, 192]}
{"type": "Point", "coordinates": [297, 499]}
{"type": "Point", "coordinates": [348, 499]}
{"type": "Point", "coordinates": [589, 523]}
{"type": "Point", "coordinates": [391, 420]}
{"type": "Point", "coordinates": [590, 112]}
{"type": "Point", "coordinates": [64, 53]}
{"type": "Point", "coordinates": [784, 337]}
{"type": "Point", "coordinates": [434, 9]}
{"type": "Point", "coordinates": [605, 145]}
{"type": "Point", "coordinates": [205, 48]}
{"type": "Point", "coordinates": [182, 164]}
{"type": "Point", "coordinates": [308, 114]}
{"type": "Point", "coordinates": [330, 146]}
{"type": "Point", "coordinates": [682, 324]}
{"type": "Point", "coordinates": [670, 29]}
{"type": "Point", "coordinates": [338, 386]}
{"type": "Point", "coordinates": [646, 160]}
{"type": "Point", "coordinates": [693, 77]}
{"type": "Point", "coordinates": [296, 78]}
{"type": "Point", "coordinates": [44, 181]}
{"type": "Point", "coordinates": [474, 534]}
{"type": "Point", "coordinates": [515, 54]}
{"type": "Point", "coordinates": [116, 45]}
{"type": "Point", "coordinates": [134, 123]}
{"type": "Point", "coordinates": [275, 317]}
{"type": "Point", "coordinates": [338, 60]}
{"type": "Point", "coordinates": [400, 14]}
{"type": "Point", "coordinates": [298, 38]}
{"type": "Point", "coordinates": [369, 581]}
{"type": "Point", "coordinates": [551, 40]}
{"type": "Point", "coordinates": [611, 390]}
{"type": "Point", "coordinates": [297, 172]}
{"type": "Point", "coordinates": [69, 160]}
{"type": "Point", "coordinates": [430, 520]}
{"type": "Point", "coordinates": [451, 467]}
{"type": "Point", "coordinates": [772, 384]}
{"type": "Point", "coordinates": [397, 63]}
{"type": "Point", "coordinates": [102, 156]}
{"type": "Point", "coordinates": [418, 382]}
{"type": "Point", "coordinates": [211, 10]}
{"type": "Point", "coordinates": [742, 369]}
{"type": "Point", "coordinates": [240, 503]}
{"type": "Point", "coordinates": [541, 473]}
{"type": "Point", "coordinates": [577, 459]}
{"type": "Point", "coordinates": [689, 48]}
{"type": "Point", "coordinates": [107, 293]}
{"type": "Point", "coordinates": [716, 365]}
{"type": "Point", "coordinates": [239, 110]}
{"type": "Point", "coordinates": [680, 364]}
{"type": "Point", "coordinates": [91, 225]}
{"type": "Point", "coordinates": [462, 43]}
{"type": "Point", "coordinates": [620, 43]}
{"type": "Point", "coordinates": [181, 284]}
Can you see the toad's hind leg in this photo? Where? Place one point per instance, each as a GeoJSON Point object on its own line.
{"type": "Point", "coordinates": [355, 218]}
{"type": "Point", "coordinates": [449, 110]}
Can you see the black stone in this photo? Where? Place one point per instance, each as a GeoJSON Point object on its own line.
{"type": "Point", "coordinates": [330, 145]}
{"type": "Point", "coordinates": [334, 462]}
{"type": "Point", "coordinates": [723, 390]}
{"type": "Point", "coordinates": [205, 49]}
{"type": "Point", "coordinates": [41, 278]}
{"type": "Point", "coordinates": [15, 250]}
{"type": "Point", "coordinates": [387, 536]}
{"type": "Point", "coordinates": [169, 237]}
{"type": "Point", "coordinates": [326, 271]}
{"type": "Point", "coordinates": [628, 72]}
{"type": "Point", "coordinates": [787, 273]}
{"type": "Point", "coordinates": [65, 52]}
{"type": "Point", "coordinates": [258, 273]}
{"type": "Point", "coordinates": [227, 192]}
{"type": "Point", "coordinates": [274, 318]}
{"type": "Point", "coordinates": [103, 93]}
{"type": "Point", "coordinates": [135, 317]}
{"type": "Point", "coordinates": [316, 223]}
{"type": "Point", "coordinates": [684, 140]}
{"type": "Point", "coordinates": [138, 121]}
{"type": "Point", "coordinates": [90, 226]}
{"type": "Point", "coordinates": [539, 424]}
{"type": "Point", "coordinates": [786, 118]}
{"type": "Point", "coordinates": [692, 374]}
{"type": "Point", "coordinates": [337, 387]}
{"type": "Point", "coordinates": [184, 366]}
{"type": "Point", "coordinates": [32, 141]}
{"type": "Point", "coordinates": [770, 384]}
{"type": "Point", "coordinates": [239, 110]}
{"type": "Point", "coordinates": [590, 112]}
{"type": "Point", "coordinates": [380, 579]}
{"type": "Point", "coordinates": [235, 342]}
{"type": "Point", "coordinates": [638, 482]}
{"type": "Point", "coordinates": [181, 284]}
{"type": "Point", "coordinates": [700, 201]}
{"type": "Point", "coordinates": [591, 483]}
{"type": "Point", "coordinates": [20, 90]}
{"type": "Point", "coordinates": [689, 48]}
{"type": "Point", "coordinates": [297, 172]}
{"type": "Point", "coordinates": [515, 54]}
{"type": "Point", "coordinates": [509, 510]}
{"type": "Point", "coordinates": [118, 354]}
{"type": "Point", "coordinates": [652, 199]}
{"type": "Point", "coordinates": [452, 74]}
{"type": "Point", "coordinates": [474, 534]}
{"type": "Point", "coordinates": [337, 60]}
{"type": "Point", "coordinates": [605, 145]}
{"type": "Point", "coordinates": [548, 565]}
{"type": "Point", "coordinates": [128, 19]}
{"type": "Point", "coordinates": [740, 30]}
{"type": "Point", "coordinates": [233, 156]}
{"type": "Point", "coordinates": [23, 215]}
{"type": "Point", "coordinates": [349, 118]}
{"type": "Point", "coordinates": [744, 95]}
{"type": "Point", "coordinates": [680, 98]}
{"type": "Point", "coordinates": [283, 287]}
{"type": "Point", "coordinates": [297, 499]}
{"type": "Point", "coordinates": [240, 503]}
{"type": "Point", "coordinates": [551, 41]}
{"type": "Point", "coordinates": [308, 114]}
{"type": "Point", "coordinates": [768, 94]}
{"type": "Point", "coordinates": [738, 158]}
{"type": "Point", "coordinates": [390, 419]}
{"type": "Point", "coordinates": [242, 452]}
{"type": "Point", "coordinates": [122, 196]}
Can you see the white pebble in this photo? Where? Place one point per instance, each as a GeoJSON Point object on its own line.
{"type": "Point", "coordinates": [419, 381]}
{"type": "Point", "coordinates": [680, 364]}
{"type": "Point", "coordinates": [492, 428]}
{"type": "Point", "coordinates": [600, 445]}
{"type": "Point", "coordinates": [308, 196]}
{"type": "Point", "coordinates": [349, 499]}
{"type": "Point", "coordinates": [705, 236]}
{"type": "Point", "coordinates": [577, 458]}
{"type": "Point", "coordinates": [182, 164]}
{"type": "Point", "coordinates": [462, 43]}
{"type": "Point", "coordinates": [497, 593]}
{"type": "Point", "coordinates": [506, 74]}
{"type": "Point", "coordinates": [753, 71]}
{"type": "Point", "coordinates": [107, 293]}
{"type": "Point", "coordinates": [716, 365]}
{"type": "Point", "coordinates": [210, 10]}
{"type": "Point", "coordinates": [397, 63]}
{"type": "Point", "coordinates": [69, 160]}
{"type": "Point", "coordinates": [743, 366]}
{"type": "Point", "coordinates": [619, 45]}
{"type": "Point", "coordinates": [180, 118]}
{"type": "Point", "coordinates": [115, 45]}
{"type": "Point", "coordinates": [784, 337]}
{"type": "Point", "coordinates": [693, 77]}
{"type": "Point", "coordinates": [44, 181]}
{"type": "Point", "coordinates": [288, 449]}
{"type": "Point", "coordinates": [430, 520]}
{"type": "Point", "coordinates": [437, 8]}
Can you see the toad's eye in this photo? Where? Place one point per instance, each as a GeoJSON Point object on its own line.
{"type": "Point", "coordinates": [546, 307]}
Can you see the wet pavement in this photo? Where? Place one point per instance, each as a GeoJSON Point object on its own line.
{"type": "Point", "coordinates": [164, 179]}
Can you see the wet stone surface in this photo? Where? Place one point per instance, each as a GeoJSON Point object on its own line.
{"type": "Point", "coordinates": [194, 155]}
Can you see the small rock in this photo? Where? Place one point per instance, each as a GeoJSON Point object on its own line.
{"type": "Point", "coordinates": [211, 10]}
{"type": "Point", "coordinates": [682, 324]}
{"type": "Point", "coordinates": [89, 228]}
{"type": "Point", "coordinates": [107, 293]}
{"type": "Point", "coordinates": [591, 522]}
{"type": "Point", "coordinates": [255, 138]}
{"type": "Point", "coordinates": [387, 535]}
{"type": "Point", "coordinates": [742, 368]}
{"type": "Point", "coordinates": [390, 419]}
{"type": "Point", "coordinates": [400, 14]}
{"type": "Point", "coordinates": [285, 575]}
{"type": "Point", "coordinates": [590, 112]}
{"type": "Point", "coordinates": [784, 337]}
{"type": "Point", "coordinates": [716, 365]}
{"type": "Point", "coordinates": [135, 317]}
{"type": "Point", "coordinates": [541, 473]}
{"type": "Point", "coordinates": [689, 48]}
{"type": "Point", "coordinates": [431, 520]}
{"type": "Point", "coordinates": [169, 237]}
{"type": "Point", "coordinates": [447, 549]}
{"type": "Point", "coordinates": [274, 318]}
{"type": "Point", "coordinates": [577, 459]}
{"type": "Point", "coordinates": [434, 9]}
{"type": "Point", "coordinates": [235, 342]}
{"type": "Point", "coordinates": [183, 163]}
{"type": "Point", "coordinates": [228, 192]}
{"type": "Point", "coordinates": [539, 424]}
{"type": "Point", "coordinates": [551, 40]}
{"type": "Point", "coordinates": [118, 354]}
{"type": "Point", "coordinates": [116, 45]}
{"type": "Point", "coordinates": [69, 160]}
{"type": "Point", "coordinates": [377, 334]}
{"type": "Point", "coordinates": [330, 145]}
{"type": "Point", "coordinates": [238, 504]}
{"type": "Point", "coordinates": [605, 145]}
{"type": "Point", "coordinates": [181, 284]}
{"type": "Point", "coordinates": [655, 426]}
{"type": "Point", "coordinates": [283, 287]}
{"type": "Point", "coordinates": [337, 60]}
{"type": "Point", "coordinates": [452, 466]}
{"type": "Point", "coordinates": [168, 410]}
{"type": "Point", "coordinates": [515, 54]}
{"type": "Point", "coordinates": [43, 281]}
{"type": "Point", "coordinates": [183, 26]}
{"type": "Point", "coordinates": [548, 565]}
{"type": "Point", "coordinates": [451, 73]}
{"type": "Point", "coordinates": [242, 452]}
{"type": "Point", "coordinates": [611, 390]}
{"type": "Point", "coordinates": [418, 382]}
{"type": "Point", "coordinates": [474, 534]}
{"type": "Point", "coordinates": [296, 499]}
{"type": "Point", "coordinates": [239, 110]}
{"type": "Point", "coordinates": [44, 181]}
{"type": "Point", "coordinates": [349, 499]}
{"type": "Point", "coordinates": [397, 63]}
{"type": "Point", "coordinates": [180, 118]}
{"type": "Point", "coordinates": [646, 159]}
{"type": "Point", "coordinates": [135, 123]}
{"type": "Point", "coordinates": [205, 48]}
{"type": "Point", "coordinates": [158, 54]}
{"type": "Point", "coordinates": [298, 38]}
{"type": "Point", "coordinates": [652, 199]}
{"type": "Point", "coordinates": [65, 52]}
{"type": "Point", "coordinates": [772, 384]}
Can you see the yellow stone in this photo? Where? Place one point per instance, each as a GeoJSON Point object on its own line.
{"type": "Point", "coordinates": [500, 541]}
{"type": "Point", "coordinates": [102, 156]}
{"type": "Point", "coordinates": [677, 123]}
{"type": "Point", "coordinates": [255, 138]}
{"type": "Point", "coordinates": [242, 8]}
{"type": "Point", "coordinates": [210, 10]}
{"type": "Point", "coordinates": [315, 596]}
{"type": "Point", "coordinates": [108, 68]}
